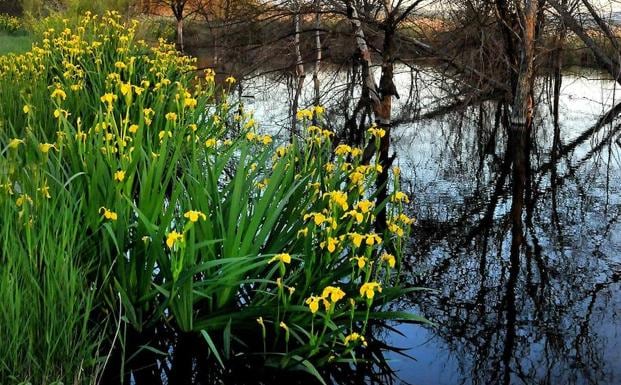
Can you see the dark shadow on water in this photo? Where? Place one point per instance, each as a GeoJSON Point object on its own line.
{"type": "Point", "coordinates": [185, 359]}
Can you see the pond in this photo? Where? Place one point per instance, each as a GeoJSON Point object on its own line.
{"type": "Point", "coordinates": [545, 312]}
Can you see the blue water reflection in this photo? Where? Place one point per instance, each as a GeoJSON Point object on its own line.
{"type": "Point", "coordinates": [546, 312]}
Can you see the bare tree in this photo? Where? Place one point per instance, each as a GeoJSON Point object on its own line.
{"type": "Point", "coordinates": [609, 62]}
{"type": "Point", "coordinates": [181, 10]}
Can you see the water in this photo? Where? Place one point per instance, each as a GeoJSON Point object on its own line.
{"type": "Point", "coordinates": [547, 312]}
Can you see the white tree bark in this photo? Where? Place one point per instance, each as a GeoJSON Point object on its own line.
{"type": "Point", "coordinates": [365, 55]}
{"type": "Point", "coordinates": [318, 53]}
{"type": "Point", "coordinates": [299, 67]}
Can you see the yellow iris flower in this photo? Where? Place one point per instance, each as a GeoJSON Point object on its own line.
{"type": "Point", "coordinates": [282, 257]}
{"type": "Point", "coordinates": [194, 216]}
{"type": "Point", "coordinates": [334, 293]}
{"type": "Point", "coordinates": [119, 176]}
{"type": "Point", "coordinates": [390, 259]}
{"type": "Point", "coordinates": [172, 238]}
{"type": "Point", "coordinates": [354, 337]}
{"type": "Point", "coordinates": [330, 244]}
{"type": "Point", "coordinates": [108, 214]}
{"type": "Point", "coordinates": [368, 289]}
{"type": "Point", "coordinates": [361, 261]}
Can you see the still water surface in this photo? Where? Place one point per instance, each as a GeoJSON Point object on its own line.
{"type": "Point", "coordinates": [549, 313]}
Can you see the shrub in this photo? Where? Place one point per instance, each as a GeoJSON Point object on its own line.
{"type": "Point", "coordinates": [10, 24]}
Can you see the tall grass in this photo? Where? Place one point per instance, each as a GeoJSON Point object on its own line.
{"type": "Point", "coordinates": [46, 301]}
{"type": "Point", "coordinates": [151, 192]}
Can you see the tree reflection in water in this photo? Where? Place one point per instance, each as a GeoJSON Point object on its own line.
{"type": "Point", "coordinates": [526, 262]}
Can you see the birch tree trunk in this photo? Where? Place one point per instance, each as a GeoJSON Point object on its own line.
{"type": "Point", "coordinates": [383, 113]}
{"type": "Point", "coordinates": [368, 82]}
{"type": "Point", "coordinates": [369, 96]}
{"type": "Point", "coordinates": [318, 58]}
{"type": "Point", "coordinates": [378, 98]}
{"type": "Point", "coordinates": [178, 9]}
{"type": "Point", "coordinates": [299, 70]}
{"type": "Point", "coordinates": [180, 34]}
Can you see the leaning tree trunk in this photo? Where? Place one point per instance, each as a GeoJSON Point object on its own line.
{"type": "Point", "coordinates": [610, 63]}
{"type": "Point", "coordinates": [368, 82]}
{"type": "Point", "coordinates": [370, 94]}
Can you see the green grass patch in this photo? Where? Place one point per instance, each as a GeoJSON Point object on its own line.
{"type": "Point", "coordinates": [14, 43]}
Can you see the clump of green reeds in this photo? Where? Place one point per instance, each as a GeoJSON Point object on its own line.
{"type": "Point", "coordinates": [135, 184]}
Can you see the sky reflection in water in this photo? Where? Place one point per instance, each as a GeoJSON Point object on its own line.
{"type": "Point", "coordinates": [561, 323]}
